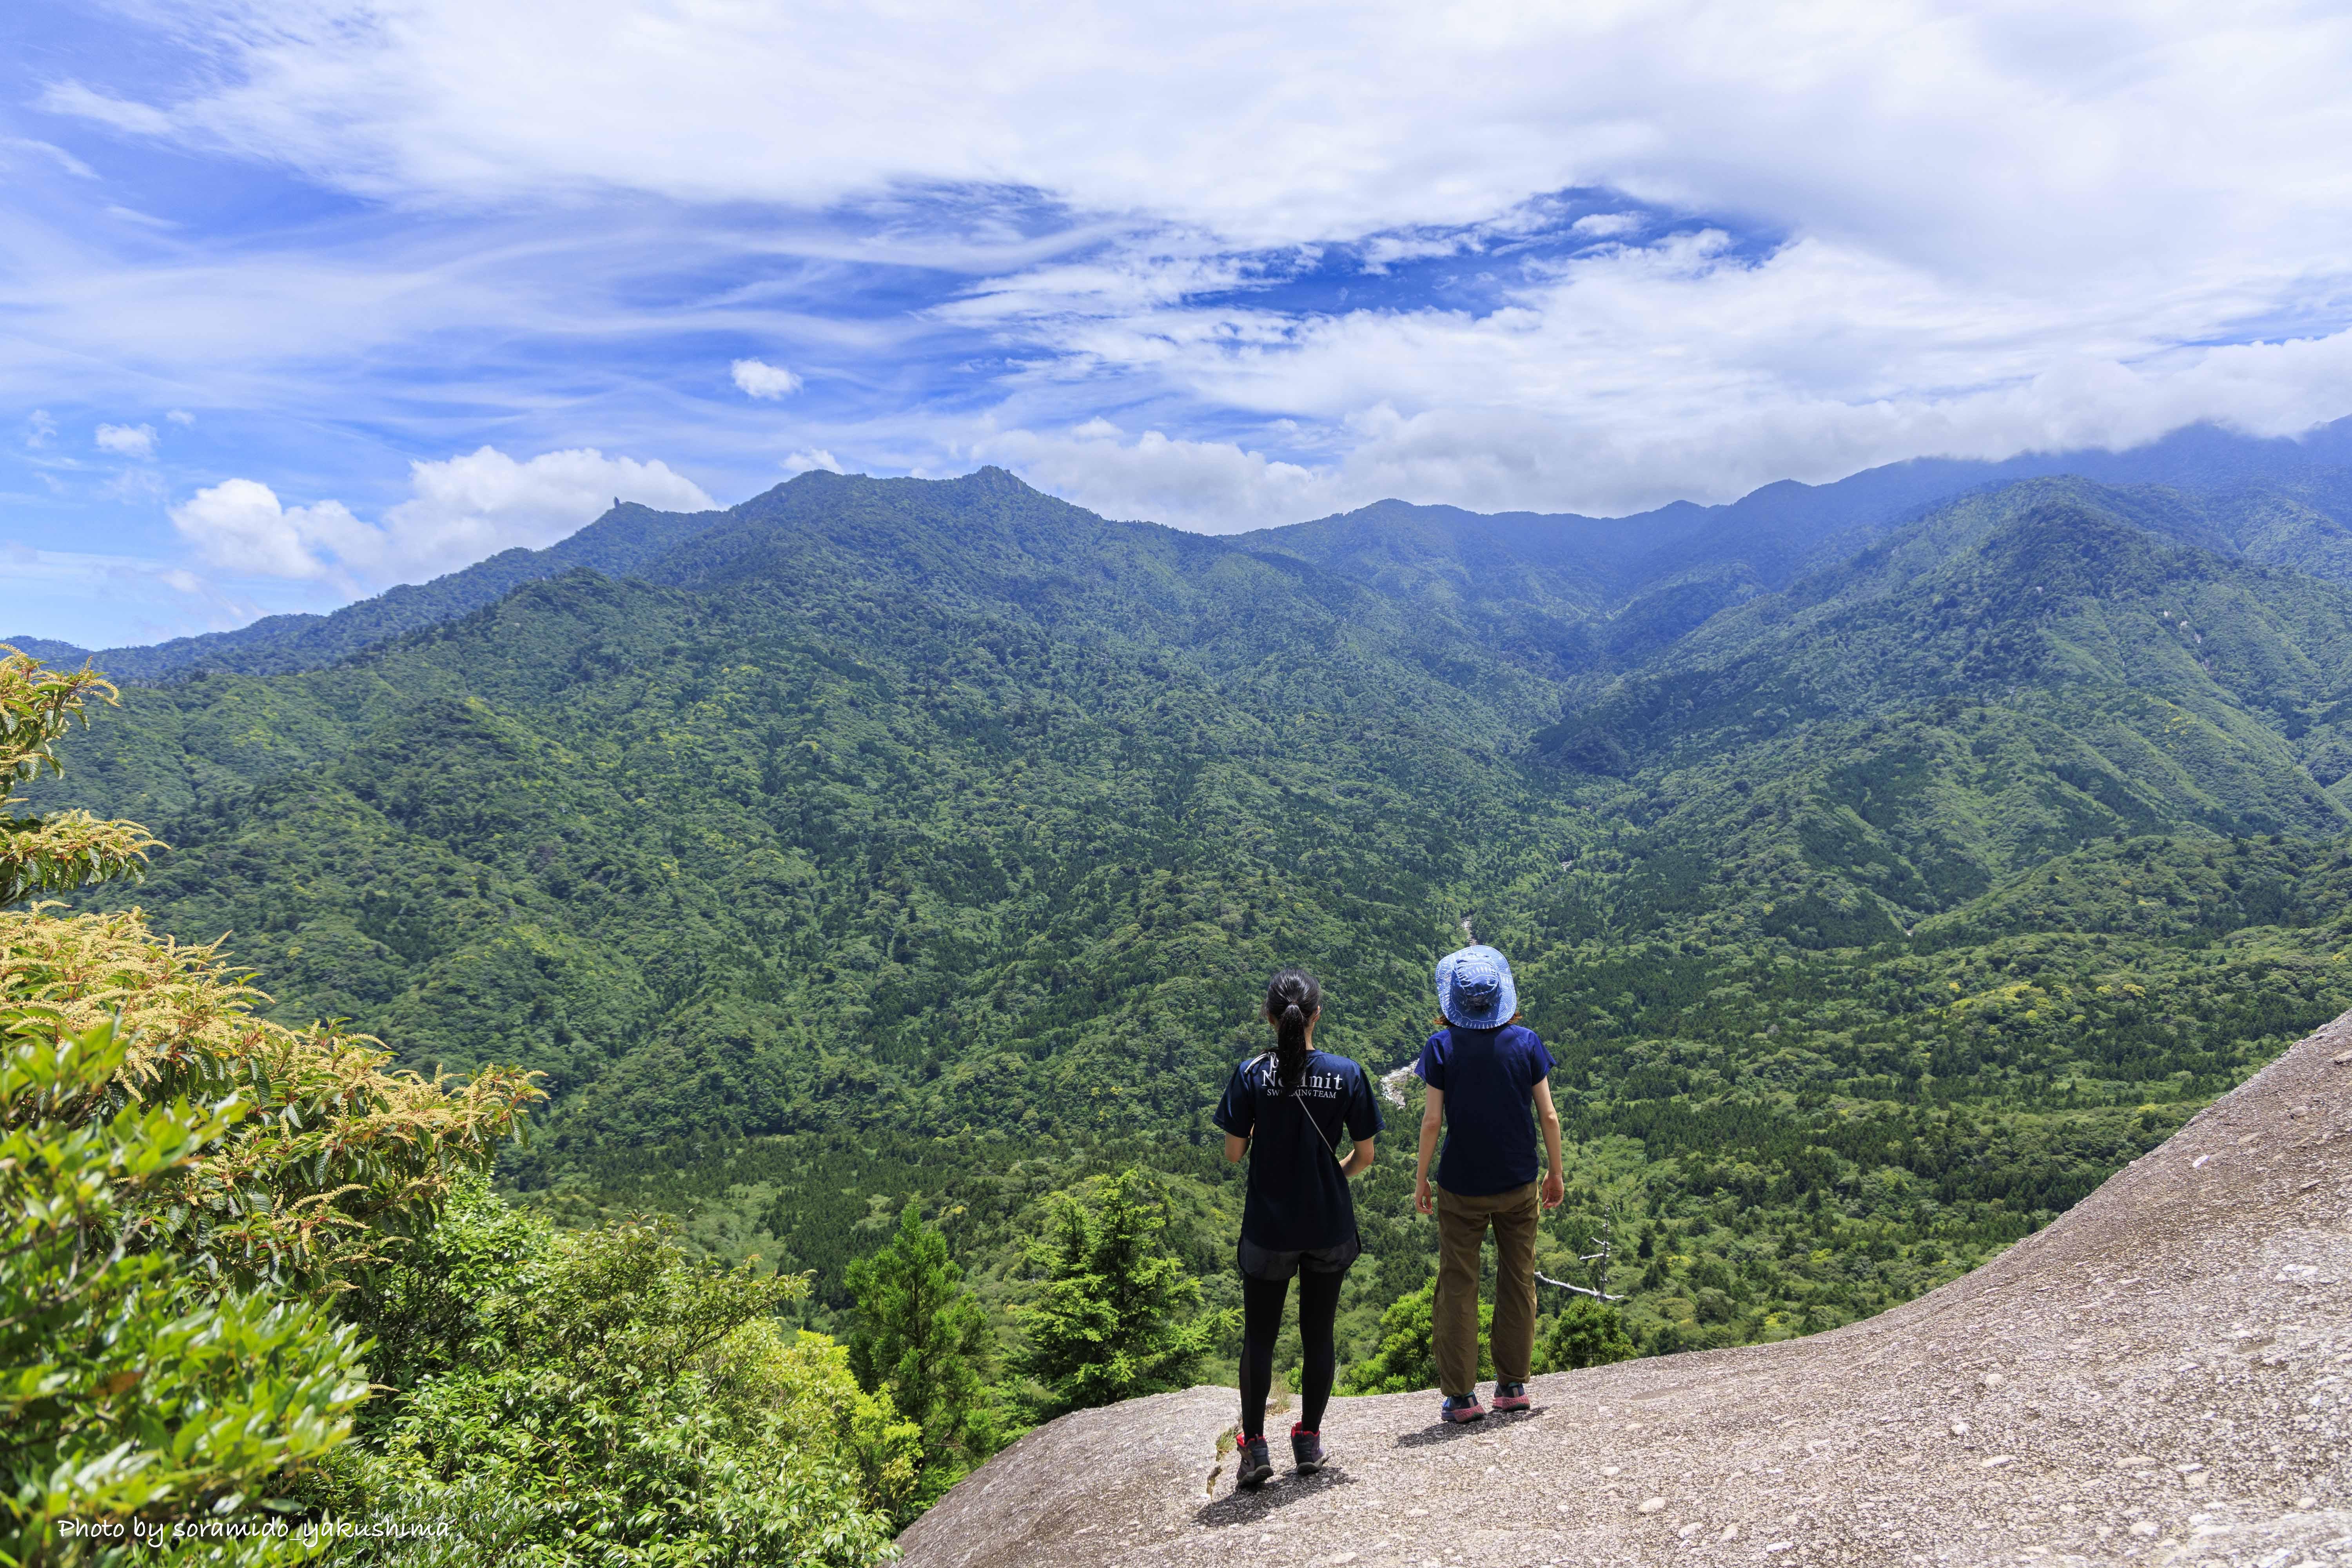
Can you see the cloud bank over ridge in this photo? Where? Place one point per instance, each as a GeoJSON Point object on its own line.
{"type": "Point", "coordinates": [462, 511]}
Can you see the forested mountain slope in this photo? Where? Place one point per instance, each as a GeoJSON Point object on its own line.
{"type": "Point", "coordinates": [2055, 676]}
{"type": "Point", "coordinates": [933, 804]}
{"type": "Point", "coordinates": [1590, 597]}
{"type": "Point", "coordinates": [901, 835]}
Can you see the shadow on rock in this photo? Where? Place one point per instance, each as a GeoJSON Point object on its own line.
{"type": "Point", "coordinates": [1247, 1508]}
{"type": "Point", "coordinates": [1434, 1435]}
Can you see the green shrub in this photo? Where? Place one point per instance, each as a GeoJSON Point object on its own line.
{"type": "Point", "coordinates": [620, 1404]}
{"type": "Point", "coordinates": [1584, 1333]}
{"type": "Point", "coordinates": [1406, 1362]}
{"type": "Point", "coordinates": [136, 1398]}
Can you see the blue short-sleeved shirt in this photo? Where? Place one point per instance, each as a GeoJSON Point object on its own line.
{"type": "Point", "coordinates": [1488, 1078]}
{"type": "Point", "coordinates": [1298, 1201]}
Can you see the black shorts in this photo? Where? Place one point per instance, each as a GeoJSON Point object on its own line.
{"type": "Point", "coordinates": [1257, 1263]}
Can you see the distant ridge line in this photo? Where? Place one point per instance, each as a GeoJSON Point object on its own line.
{"type": "Point", "coordinates": [1774, 532]}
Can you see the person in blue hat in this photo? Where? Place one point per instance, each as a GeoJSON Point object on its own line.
{"type": "Point", "coordinates": [1489, 1087]}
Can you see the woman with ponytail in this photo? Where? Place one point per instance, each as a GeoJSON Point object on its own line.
{"type": "Point", "coordinates": [1290, 1108]}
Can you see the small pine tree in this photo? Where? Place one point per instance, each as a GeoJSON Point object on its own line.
{"type": "Point", "coordinates": [922, 1336]}
{"type": "Point", "coordinates": [1120, 1315]}
{"type": "Point", "coordinates": [1586, 1334]}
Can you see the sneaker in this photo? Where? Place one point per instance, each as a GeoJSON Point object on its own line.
{"type": "Point", "coordinates": [1307, 1450]}
{"type": "Point", "coordinates": [1252, 1466]}
{"type": "Point", "coordinates": [1459, 1407]}
{"type": "Point", "coordinates": [1511, 1397]}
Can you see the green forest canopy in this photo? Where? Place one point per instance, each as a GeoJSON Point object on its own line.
{"type": "Point", "coordinates": [894, 837]}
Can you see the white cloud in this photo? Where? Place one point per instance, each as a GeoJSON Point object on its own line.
{"type": "Point", "coordinates": [802, 462]}
{"type": "Point", "coordinates": [469, 507]}
{"type": "Point", "coordinates": [127, 440]}
{"type": "Point", "coordinates": [1904, 118]}
{"type": "Point", "coordinates": [461, 510]}
{"type": "Point", "coordinates": [1607, 225]}
{"type": "Point", "coordinates": [39, 428]}
{"type": "Point", "coordinates": [1120, 285]}
{"type": "Point", "coordinates": [123, 114]}
{"type": "Point", "coordinates": [1560, 408]}
{"type": "Point", "coordinates": [55, 154]}
{"type": "Point", "coordinates": [1938, 229]}
{"type": "Point", "coordinates": [761, 380]}
{"type": "Point", "coordinates": [1632, 375]}
{"type": "Point", "coordinates": [181, 416]}
{"type": "Point", "coordinates": [1213, 486]}
{"type": "Point", "coordinates": [241, 526]}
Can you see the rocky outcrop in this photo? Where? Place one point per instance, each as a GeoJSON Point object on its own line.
{"type": "Point", "coordinates": [2164, 1376]}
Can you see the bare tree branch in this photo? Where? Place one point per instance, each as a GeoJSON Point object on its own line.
{"type": "Point", "coordinates": [1579, 1290]}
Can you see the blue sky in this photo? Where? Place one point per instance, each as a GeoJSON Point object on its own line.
{"type": "Point", "coordinates": [303, 298]}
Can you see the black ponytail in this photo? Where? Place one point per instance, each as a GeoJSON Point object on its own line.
{"type": "Point", "coordinates": [1292, 1000]}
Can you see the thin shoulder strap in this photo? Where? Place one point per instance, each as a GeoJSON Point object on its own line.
{"type": "Point", "coordinates": [1310, 1115]}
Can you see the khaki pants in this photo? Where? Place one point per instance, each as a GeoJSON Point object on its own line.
{"type": "Point", "coordinates": [1453, 1320]}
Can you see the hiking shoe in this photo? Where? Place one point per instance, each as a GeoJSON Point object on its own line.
{"type": "Point", "coordinates": [1460, 1407]}
{"type": "Point", "coordinates": [1252, 1466]}
{"type": "Point", "coordinates": [1306, 1453]}
{"type": "Point", "coordinates": [1511, 1397]}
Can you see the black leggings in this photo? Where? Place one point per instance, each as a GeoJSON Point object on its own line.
{"type": "Point", "coordinates": [1319, 1305]}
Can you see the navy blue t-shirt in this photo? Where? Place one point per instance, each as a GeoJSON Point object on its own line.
{"type": "Point", "coordinates": [1298, 1201]}
{"type": "Point", "coordinates": [1488, 1078]}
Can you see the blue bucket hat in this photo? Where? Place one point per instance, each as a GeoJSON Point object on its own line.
{"type": "Point", "coordinates": [1475, 989]}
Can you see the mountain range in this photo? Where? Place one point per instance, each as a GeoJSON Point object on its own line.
{"type": "Point", "coordinates": [1692, 558]}
{"type": "Point", "coordinates": [1886, 861]}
